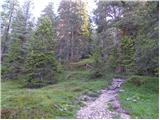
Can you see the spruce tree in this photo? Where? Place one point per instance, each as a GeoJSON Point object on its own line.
{"type": "Point", "coordinates": [41, 67]}
{"type": "Point", "coordinates": [19, 36]}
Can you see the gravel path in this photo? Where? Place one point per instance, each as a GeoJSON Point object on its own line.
{"type": "Point", "coordinates": [106, 106]}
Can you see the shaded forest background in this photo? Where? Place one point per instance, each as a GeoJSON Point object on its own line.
{"type": "Point", "coordinates": [125, 40]}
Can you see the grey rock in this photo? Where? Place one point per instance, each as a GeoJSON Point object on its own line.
{"type": "Point", "coordinates": [97, 106]}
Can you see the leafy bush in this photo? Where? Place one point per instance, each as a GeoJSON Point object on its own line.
{"type": "Point", "coordinates": [113, 60]}
{"type": "Point", "coordinates": [147, 55]}
{"type": "Point", "coordinates": [128, 53]}
{"type": "Point", "coordinates": [122, 58]}
{"type": "Point", "coordinates": [99, 65]}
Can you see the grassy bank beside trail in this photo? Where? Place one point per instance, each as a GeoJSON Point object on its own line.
{"type": "Point", "coordinates": [140, 97]}
{"type": "Point", "coordinates": [53, 101]}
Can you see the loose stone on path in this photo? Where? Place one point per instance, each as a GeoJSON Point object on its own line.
{"type": "Point", "coordinates": [100, 108]}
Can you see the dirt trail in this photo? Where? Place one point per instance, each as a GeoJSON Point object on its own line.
{"type": "Point", "coordinates": [106, 106]}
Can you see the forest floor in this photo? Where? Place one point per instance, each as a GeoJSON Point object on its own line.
{"type": "Point", "coordinates": [74, 91]}
{"type": "Point", "coordinates": [136, 98]}
{"type": "Point", "coordinates": [141, 97]}
{"type": "Point", "coordinates": [53, 101]}
{"type": "Point", "coordinates": [106, 106]}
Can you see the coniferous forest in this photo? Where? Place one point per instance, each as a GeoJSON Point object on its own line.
{"type": "Point", "coordinates": [71, 64]}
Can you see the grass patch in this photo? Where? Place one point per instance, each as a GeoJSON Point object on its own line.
{"type": "Point", "coordinates": [140, 97]}
{"type": "Point", "coordinates": [52, 101]}
{"type": "Point", "coordinates": [85, 61]}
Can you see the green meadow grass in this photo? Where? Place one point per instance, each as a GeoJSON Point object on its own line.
{"type": "Point", "coordinates": [53, 101]}
{"type": "Point", "coordinates": [57, 100]}
{"type": "Point", "coordinates": [140, 97]}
